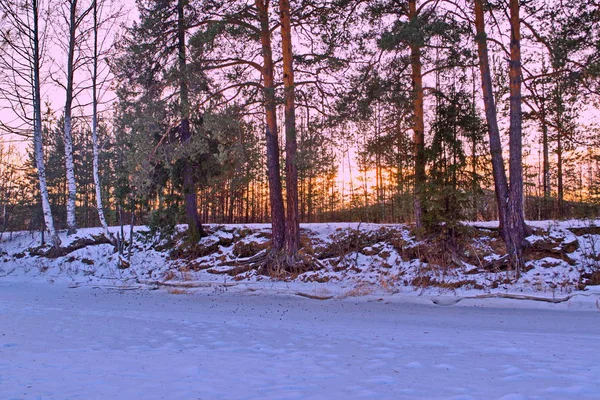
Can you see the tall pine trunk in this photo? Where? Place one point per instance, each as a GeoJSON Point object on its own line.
{"type": "Point", "coordinates": [195, 230]}
{"type": "Point", "coordinates": [37, 129]}
{"type": "Point", "coordinates": [516, 218]}
{"type": "Point", "coordinates": [418, 123]}
{"type": "Point", "coordinates": [545, 153]}
{"type": "Point", "coordinates": [95, 146]}
{"type": "Point", "coordinates": [273, 167]}
{"type": "Point", "coordinates": [68, 133]}
{"type": "Point", "coordinates": [498, 171]}
{"type": "Point", "coordinates": [510, 200]}
{"type": "Point", "coordinates": [558, 98]}
{"type": "Point", "coordinates": [292, 225]}
{"type": "Point", "coordinates": [545, 144]}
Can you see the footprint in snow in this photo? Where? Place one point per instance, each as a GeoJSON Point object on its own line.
{"type": "Point", "coordinates": [414, 364]}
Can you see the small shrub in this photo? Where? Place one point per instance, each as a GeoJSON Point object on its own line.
{"type": "Point", "coordinates": [163, 222]}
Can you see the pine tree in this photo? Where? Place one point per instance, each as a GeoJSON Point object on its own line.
{"type": "Point", "coordinates": [157, 55]}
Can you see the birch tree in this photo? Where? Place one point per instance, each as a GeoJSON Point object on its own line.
{"type": "Point", "coordinates": [74, 18]}
{"type": "Point", "coordinates": [98, 50]}
{"type": "Point", "coordinates": [23, 37]}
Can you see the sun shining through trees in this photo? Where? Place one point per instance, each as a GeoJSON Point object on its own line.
{"type": "Point", "coordinates": [306, 176]}
{"type": "Point", "coordinates": [202, 112]}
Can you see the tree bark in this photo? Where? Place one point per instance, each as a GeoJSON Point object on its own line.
{"type": "Point", "coordinates": [195, 230]}
{"type": "Point", "coordinates": [68, 123]}
{"type": "Point", "coordinates": [292, 225]}
{"type": "Point", "coordinates": [516, 216]}
{"type": "Point", "coordinates": [545, 142]}
{"type": "Point", "coordinates": [273, 167]}
{"type": "Point", "coordinates": [37, 130]}
{"type": "Point", "coordinates": [418, 123]}
{"type": "Point", "coordinates": [95, 146]}
{"type": "Point", "coordinates": [499, 173]}
{"type": "Point", "coordinates": [559, 173]}
{"type": "Point", "coordinates": [559, 149]}
{"type": "Point", "coordinates": [546, 154]}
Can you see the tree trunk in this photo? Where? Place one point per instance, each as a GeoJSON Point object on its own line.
{"type": "Point", "coordinates": [273, 168]}
{"type": "Point", "coordinates": [545, 144]}
{"type": "Point", "coordinates": [292, 224]}
{"type": "Point", "coordinates": [95, 147]}
{"type": "Point", "coordinates": [558, 98]}
{"type": "Point", "coordinates": [516, 218]}
{"type": "Point", "coordinates": [68, 134]}
{"type": "Point", "coordinates": [37, 131]}
{"type": "Point", "coordinates": [500, 181]}
{"type": "Point", "coordinates": [559, 173]}
{"type": "Point", "coordinates": [545, 156]}
{"type": "Point", "coordinates": [195, 230]}
{"type": "Point", "coordinates": [419, 124]}
{"type": "Point", "coordinates": [131, 224]}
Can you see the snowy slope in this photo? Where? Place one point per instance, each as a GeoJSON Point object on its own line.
{"type": "Point", "coordinates": [351, 260]}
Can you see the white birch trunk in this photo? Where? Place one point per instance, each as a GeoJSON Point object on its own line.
{"type": "Point", "coordinates": [96, 167]}
{"type": "Point", "coordinates": [41, 170]}
{"type": "Point", "coordinates": [70, 170]}
{"type": "Point", "coordinates": [68, 136]}
{"type": "Point", "coordinates": [95, 150]}
{"type": "Point", "coordinates": [37, 132]}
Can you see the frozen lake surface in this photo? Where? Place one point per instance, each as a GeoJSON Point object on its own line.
{"type": "Point", "coordinates": [93, 343]}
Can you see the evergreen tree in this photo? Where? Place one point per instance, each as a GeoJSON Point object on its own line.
{"type": "Point", "coordinates": [156, 56]}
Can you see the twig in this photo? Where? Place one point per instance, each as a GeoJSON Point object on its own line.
{"type": "Point", "coordinates": [455, 300]}
{"type": "Point", "coordinates": [312, 296]}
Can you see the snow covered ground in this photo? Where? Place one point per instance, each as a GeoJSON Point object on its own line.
{"type": "Point", "coordinates": [384, 317]}
{"type": "Point", "coordinates": [351, 259]}
{"type": "Point", "coordinates": [98, 343]}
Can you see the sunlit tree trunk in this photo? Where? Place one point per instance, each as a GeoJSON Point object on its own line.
{"type": "Point", "coordinates": [292, 226]}
{"type": "Point", "coordinates": [273, 167]}
{"type": "Point", "coordinates": [500, 181]}
{"type": "Point", "coordinates": [510, 200]}
{"type": "Point", "coordinates": [516, 215]}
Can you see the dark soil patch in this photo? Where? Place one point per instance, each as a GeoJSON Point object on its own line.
{"type": "Point", "coordinates": [589, 279]}
{"type": "Point", "coordinates": [248, 249]}
{"type": "Point", "coordinates": [586, 230]}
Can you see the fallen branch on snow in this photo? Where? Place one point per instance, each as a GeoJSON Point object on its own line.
{"type": "Point", "coordinates": [188, 285]}
{"type": "Point", "coordinates": [312, 296]}
{"type": "Point", "coordinates": [450, 301]}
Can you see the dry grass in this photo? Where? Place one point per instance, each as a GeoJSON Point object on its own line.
{"type": "Point", "coordinates": [177, 291]}
{"type": "Point", "coordinates": [169, 275]}
{"type": "Point", "coordinates": [361, 289]}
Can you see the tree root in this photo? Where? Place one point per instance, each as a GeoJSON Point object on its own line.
{"type": "Point", "coordinates": [274, 263]}
{"type": "Point", "coordinates": [277, 264]}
